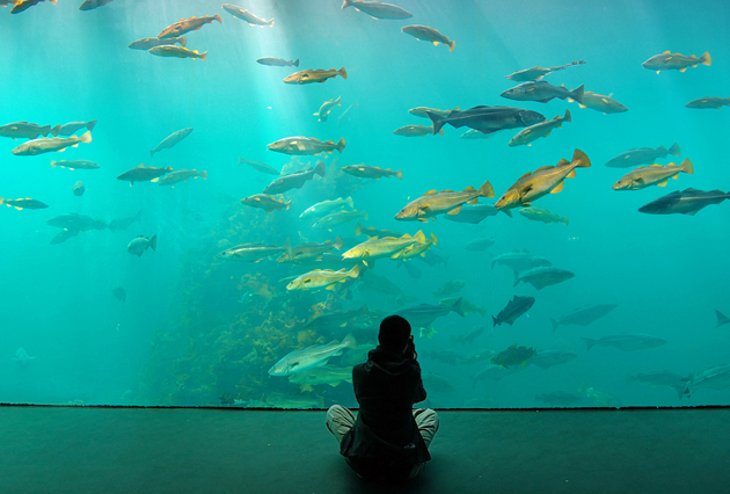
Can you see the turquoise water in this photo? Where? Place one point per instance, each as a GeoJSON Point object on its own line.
{"type": "Point", "coordinates": [196, 329]}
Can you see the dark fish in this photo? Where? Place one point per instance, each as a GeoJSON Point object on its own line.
{"type": "Point", "coordinates": [662, 378]}
{"type": "Point", "coordinates": [543, 276]}
{"type": "Point", "coordinates": [259, 166]}
{"type": "Point", "coordinates": [70, 128]}
{"type": "Point", "coordinates": [487, 119]}
{"type": "Point", "coordinates": [542, 92]}
{"type": "Point", "coordinates": [24, 203]}
{"type": "Point", "coordinates": [688, 201]}
{"type": "Point", "coordinates": [479, 244]}
{"type": "Point", "coordinates": [550, 358]}
{"type": "Point", "coordinates": [708, 102]}
{"type": "Point", "coordinates": [143, 173]}
{"type": "Point", "coordinates": [583, 316]}
{"type": "Point", "coordinates": [24, 130]}
{"type": "Point", "coordinates": [124, 223]}
{"type": "Point", "coordinates": [476, 213]}
{"type": "Point", "coordinates": [278, 62]}
{"type": "Point", "coordinates": [537, 73]}
{"type": "Point", "coordinates": [337, 320]}
{"type": "Point", "coordinates": [120, 294]}
{"type": "Point", "coordinates": [78, 188]}
{"type": "Point", "coordinates": [626, 342]}
{"type": "Point", "coordinates": [514, 309]}
{"type": "Point", "coordinates": [294, 180]}
{"type": "Point", "coordinates": [378, 10]}
{"type": "Point", "coordinates": [722, 319]}
{"type": "Point", "coordinates": [149, 43]}
{"type": "Point", "coordinates": [139, 244]}
{"type": "Point", "coordinates": [520, 261]}
{"type": "Point", "coordinates": [94, 4]}
{"type": "Point", "coordinates": [72, 225]}
{"type": "Point", "coordinates": [171, 140]}
{"type": "Point", "coordinates": [425, 314]}
{"type": "Point", "coordinates": [642, 156]}
{"type": "Point", "coordinates": [514, 356]}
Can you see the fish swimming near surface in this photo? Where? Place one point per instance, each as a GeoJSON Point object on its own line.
{"type": "Point", "coordinates": [139, 244]}
{"type": "Point", "coordinates": [326, 108]}
{"type": "Point", "coordinates": [487, 119]}
{"type": "Point", "coordinates": [583, 316]}
{"type": "Point", "coordinates": [542, 215]}
{"type": "Point", "coordinates": [542, 92]}
{"type": "Point", "coordinates": [23, 5]}
{"type": "Point", "coordinates": [24, 130]}
{"type": "Point", "coordinates": [75, 164]}
{"type": "Point", "coordinates": [299, 145]}
{"type": "Point", "coordinates": [652, 175]}
{"type": "Point", "coordinates": [184, 26]}
{"type": "Point", "coordinates": [676, 61]}
{"type": "Point", "coordinates": [365, 171]}
{"type": "Point", "coordinates": [424, 315]}
{"type": "Point", "coordinates": [688, 201]}
{"type": "Point", "coordinates": [430, 34]}
{"type": "Point", "coordinates": [514, 309]}
{"type": "Point", "coordinates": [378, 10]}
{"type": "Point", "coordinates": [175, 51]}
{"type": "Point", "coordinates": [642, 156]}
{"type": "Point", "coordinates": [543, 276]}
{"type": "Point", "coordinates": [310, 76]}
{"type": "Point", "coordinates": [94, 4]}
{"type": "Point", "coordinates": [147, 43]}
{"type": "Point", "coordinates": [550, 358]}
{"type": "Point", "coordinates": [546, 180]}
{"type": "Point", "coordinates": [172, 140]}
{"type": "Point", "coordinates": [278, 62]}
{"type": "Point", "coordinates": [251, 252]}
{"type": "Point", "coordinates": [24, 203]}
{"type": "Point", "coordinates": [514, 356]}
{"type": "Point", "coordinates": [602, 103]}
{"type": "Point", "coordinates": [541, 129]}
{"type": "Point", "coordinates": [50, 144]}
{"type": "Point", "coordinates": [537, 73]}
{"type": "Point", "coordinates": [433, 202]}
{"type": "Point", "coordinates": [249, 17]}
{"type": "Point", "coordinates": [259, 166]}
{"type": "Point", "coordinates": [142, 173]}
{"type": "Point", "coordinates": [476, 213]}
{"type": "Point", "coordinates": [175, 177]}
{"type": "Point", "coordinates": [266, 202]}
{"type": "Point", "coordinates": [302, 360]}
{"type": "Point", "coordinates": [708, 102]}
{"type": "Point", "coordinates": [294, 180]}
{"type": "Point", "coordinates": [78, 188]}
{"type": "Point", "coordinates": [721, 318]}
{"type": "Point", "coordinates": [626, 342]}
{"type": "Point", "coordinates": [324, 278]}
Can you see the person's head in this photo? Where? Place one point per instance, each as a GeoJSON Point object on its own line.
{"type": "Point", "coordinates": [395, 334]}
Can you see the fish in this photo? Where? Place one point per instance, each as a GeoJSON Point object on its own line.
{"type": "Point", "coordinates": [377, 247]}
{"type": "Point", "coordinates": [708, 102]}
{"type": "Point", "coordinates": [324, 322]}
{"type": "Point", "coordinates": [468, 338]}
{"type": "Point", "coordinates": [249, 17]}
{"type": "Point", "coordinates": [542, 92]}
{"type": "Point", "coordinates": [416, 249]}
{"type": "Point", "coordinates": [513, 310]}
{"type": "Point", "coordinates": [626, 342]}
{"type": "Point", "coordinates": [546, 180]}
{"type": "Point", "coordinates": [75, 164]}
{"type": "Point", "coordinates": [147, 43]}
{"type": "Point", "coordinates": [171, 140]}
{"type": "Point", "coordinates": [642, 156]}
{"type": "Point", "coordinates": [309, 251]}
{"type": "Point", "coordinates": [537, 73]}
{"type": "Point", "coordinates": [652, 175]}
{"type": "Point", "coordinates": [70, 128]}
{"type": "Point", "coordinates": [514, 356]}
{"type": "Point", "coordinates": [23, 203]}
{"type": "Point", "coordinates": [78, 188]}
{"type": "Point", "coordinates": [266, 202]}
{"type": "Point", "coordinates": [22, 5]}
{"type": "Point", "coordinates": [519, 261]}
{"type": "Point", "coordinates": [93, 4]}
{"type": "Point", "coordinates": [326, 108]}
{"type": "Point", "coordinates": [721, 318]}
{"type": "Point", "coordinates": [430, 34]}
{"type": "Point", "coordinates": [299, 145]}
{"type": "Point", "coordinates": [602, 103]}
{"type": "Point", "coordinates": [365, 171]}
{"type": "Point", "coordinates": [124, 223]}
{"type": "Point", "coordinates": [50, 144]}
{"type": "Point", "coordinates": [688, 201]}
{"type": "Point", "coordinates": [415, 130]}
{"type": "Point", "coordinates": [662, 378]}
{"type": "Point", "coordinates": [139, 244]}
{"type": "Point", "coordinates": [278, 62]}
{"type": "Point", "coordinates": [423, 111]}
{"type": "Point", "coordinates": [543, 276]}
{"type": "Point", "coordinates": [450, 202]}
{"type": "Point", "coordinates": [322, 208]}
{"type": "Point", "coordinates": [449, 288]}
{"type": "Point", "coordinates": [313, 356]}
{"type": "Point", "coordinates": [142, 173]}
{"type": "Point", "coordinates": [327, 375]}
{"type": "Point", "coordinates": [76, 222]}
{"type": "Point", "coordinates": [583, 316]}
{"type": "Point", "coordinates": [541, 129]}
{"type": "Point", "coordinates": [479, 244]}
{"type": "Point", "coordinates": [378, 10]}
{"type": "Point", "coordinates": [550, 358]}
{"type": "Point", "coordinates": [175, 51]}
{"type": "Point", "coordinates": [371, 231]}
{"type": "Point", "coordinates": [336, 218]}
{"type": "Point", "coordinates": [120, 294]}
{"type": "Point", "coordinates": [186, 25]}
{"type": "Point", "coordinates": [251, 252]}
{"type": "Point", "coordinates": [294, 180]}
{"type": "Point", "coordinates": [424, 315]}
{"type": "Point", "coordinates": [259, 166]}
{"type": "Point", "coordinates": [323, 278]}
{"type": "Point", "coordinates": [542, 215]}
{"type": "Point", "coordinates": [24, 130]}
{"type": "Point", "coordinates": [177, 176]}
{"type": "Point", "coordinates": [310, 76]}
{"type": "Point", "coordinates": [487, 119]}
{"type": "Point", "coordinates": [476, 213]}
{"type": "Point", "coordinates": [667, 60]}
{"type": "Point", "coordinates": [716, 377]}
{"type": "Point", "coordinates": [473, 134]}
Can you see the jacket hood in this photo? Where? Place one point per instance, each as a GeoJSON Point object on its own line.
{"type": "Point", "coordinates": [390, 362]}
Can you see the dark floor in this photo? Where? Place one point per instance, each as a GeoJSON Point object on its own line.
{"type": "Point", "coordinates": [111, 450]}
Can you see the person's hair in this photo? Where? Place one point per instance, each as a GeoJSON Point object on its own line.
{"type": "Point", "coordinates": [394, 333]}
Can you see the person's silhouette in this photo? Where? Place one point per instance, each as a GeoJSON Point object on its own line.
{"type": "Point", "coordinates": [388, 439]}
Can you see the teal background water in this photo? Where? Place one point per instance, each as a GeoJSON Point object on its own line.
{"type": "Point", "coordinates": [190, 334]}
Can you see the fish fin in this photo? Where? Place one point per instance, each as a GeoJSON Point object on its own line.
{"type": "Point", "coordinates": [342, 72]}
{"type": "Point", "coordinates": [341, 144]}
{"type": "Point", "coordinates": [687, 167]}
{"type": "Point", "coordinates": [85, 137]}
{"type": "Point", "coordinates": [706, 59]}
{"type": "Point", "coordinates": [203, 55]}
{"type": "Point", "coordinates": [435, 43]}
{"type": "Point", "coordinates": [663, 183]}
{"type": "Point", "coordinates": [153, 242]}
{"type": "Point", "coordinates": [183, 41]}
{"type": "Point", "coordinates": [581, 105]}
{"type": "Point", "coordinates": [581, 158]}
{"type": "Point", "coordinates": [567, 117]}
{"type": "Point", "coordinates": [399, 174]}
{"type": "Point", "coordinates": [558, 188]}
{"type": "Point", "coordinates": [571, 174]}
{"type": "Point", "coordinates": [666, 52]}
{"type": "Point", "coordinates": [486, 189]}
{"type": "Point", "coordinates": [554, 323]}
{"type": "Point", "coordinates": [452, 45]}
{"type": "Point", "coordinates": [721, 318]}
{"type": "Point", "coordinates": [684, 69]}
{"type": "Point", "coordinates": [589, 343]}
{"type": "Point", "coordinates": [473, 201]}
{"type": "Point", "coordinates": [674, 149]}
{"type": "Point", "coordinates": [454, 211]}
{"type": "Point", "coordinates": [430, 192]}
{"type": "Point", "coordinates": [54, 164]}
{"type": "Point", "coordinates": [658, 71]}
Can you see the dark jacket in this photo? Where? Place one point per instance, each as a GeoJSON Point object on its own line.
{"type": "Point", "coordinates": [385, 439]}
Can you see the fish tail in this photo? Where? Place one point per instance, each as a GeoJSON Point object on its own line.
{"type": "Point", "coordinates": [341, 144]}
{"type": "Point", "coordinates": [153, 243]}
{"type": "Point", "coordinates": [218, 18]}
{"type": "Point", "coordinates": [486, 190]}
{"type": "Point", "coordinates": [85, 137]}
{"type": "Point", "coordinates": [90, 124]}
{"type": "Point", "coordinates": [2, 201]}
{"type": "Point", "coordinates": [565, 220]}
{"type": "Point", "coordinates": [204, 175]}
{"type": "Point", "coordinates": [54, 164]}
{"type": "Point", "coordinates": [456, 306]}
{"type": "Point", "coordinates": [674, 149]}
{"type": "Point", "coordinates": [296, 63]}
{"type": "Point", "coordinates": [706, 59]}
{"type": "Point", "coordinates": [589, 343]}
{"type": "Point", "coordinates": [56, 130]}
{"type": "Point", "coordinates": [319, 169]}
{"type": "Point", "coordinates": [183, 41]}
{"type": "Point", "coordinates": [355, 271]}
{"type": "Point", "coordinates": [346, 3]}
{"type": "Point", "coordinates": [577, 93]}
{"type": "Point", "coordinates": [452, 45]}
{"type": "Point", "coordinates": [567, 117]}
{"type": "Point", "coordinates": [270, 22]}
{"type": "Point", "coordinates": [494, 321]}
{"type": "Point", "coordinates": [581, 158]}
{"type": "Point", "coordinates": [338, 243]}
{"type": "Point", "coordinates": [438, 122]}
{"type": "Point", "coordinates": [342, 72]}
{"type": "Point", "coordinates": [202, 55]}
{"type": "Point", "coordinates": [721, 318]}
{"type": "Point", "coordinates": [687, 167]}
{"type": "Point", "coordinates": [399, 174]}
{"type": "Point", "coordinates": [554, 323]}
{"type": "Point", "coordinates": [349, 341]}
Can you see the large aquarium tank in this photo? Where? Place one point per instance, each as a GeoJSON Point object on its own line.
{"type": "Point", "coordinates": [215, 205]}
